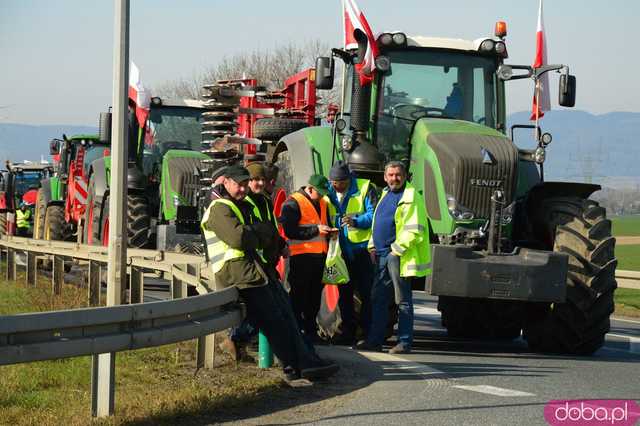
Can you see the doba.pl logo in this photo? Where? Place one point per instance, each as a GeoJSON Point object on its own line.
{"type": "Point", "coordinates": [592, 412]}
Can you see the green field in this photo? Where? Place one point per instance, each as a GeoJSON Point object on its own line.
{"type": "Point", "coordinates": [626, 225]}
{"type": "Point", "coordinates": [628, 257]}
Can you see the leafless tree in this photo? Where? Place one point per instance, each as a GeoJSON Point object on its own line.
{"type": "Point", "coordinates": [270, 67]}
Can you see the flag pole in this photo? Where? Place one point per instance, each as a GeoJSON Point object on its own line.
{"type": "Point", "coordinates": [537, 128]}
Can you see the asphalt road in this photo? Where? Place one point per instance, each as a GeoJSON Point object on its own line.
{"type": "Point", "coordinates": [452, 381]}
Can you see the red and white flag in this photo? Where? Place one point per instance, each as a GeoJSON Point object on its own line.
{"type": "Point", "coordinates": [139, 95]}
{"type": "Point", "coordinates": [354, 20]}
{"type": "Point", "coordinates": [541, 98]}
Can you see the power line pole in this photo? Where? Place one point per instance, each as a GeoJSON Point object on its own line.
{"type": "Point", "coordinates": [103, 387]}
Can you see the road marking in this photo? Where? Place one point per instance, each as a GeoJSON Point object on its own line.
{"type": "Point", "coordinates": [625, 320]}
{"type": "Point", "coordinates": [634, 342]}
{"type": "Point", "coordinates": [425, 310]}
{"type": "Point", "coordinates": [402, 364]}
{"type": "Point", "coordinates": [493, 390]}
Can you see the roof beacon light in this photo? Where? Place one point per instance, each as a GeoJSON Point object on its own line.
{"type": "Point", "coordinates": [501, 29]}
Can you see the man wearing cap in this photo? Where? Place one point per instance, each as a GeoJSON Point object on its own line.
{"type": "Point", "coordinates": [351, 209]}
{"type": "Point", "coordinates": [233, 246]}
{"type": "Point", "coordinates": [304, 221]}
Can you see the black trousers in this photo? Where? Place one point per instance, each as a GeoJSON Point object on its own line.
{"type": "Point", "coordinates": [269, 311]}
{"type": "Point", "coordinates": [305, 281]}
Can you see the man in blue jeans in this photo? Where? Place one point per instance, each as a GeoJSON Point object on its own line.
{"type": "Point", "coordinates": [400, 249]}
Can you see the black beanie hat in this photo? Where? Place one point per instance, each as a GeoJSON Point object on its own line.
{"type": "Point", "coordinates": [340, 171]}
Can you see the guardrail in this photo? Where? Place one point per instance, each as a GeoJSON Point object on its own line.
{"type": "Point", "coordinates": [100, 331]}
{"type": "Point", "coordinates": [628, 279]}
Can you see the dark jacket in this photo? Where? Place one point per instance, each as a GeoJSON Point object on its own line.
{"type": "Point", "coordinates": [273, 247]}
{"type": "Point", "coordinates": [248, 271]}
{"type": "Point", "coordinates": [290, 217]}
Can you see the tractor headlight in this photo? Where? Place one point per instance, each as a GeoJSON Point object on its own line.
{"type": "Point", "coordinates": [507, 213]}
{"type": "Point", "coordinates": [539, 155]}
{"type": "Point", "coordinates": [385, 39]}
{"type": "Point", "coordinates": [176, 201]}
{"type": "Point", "coordinates": [488, 45]}
{"type": "Point", "coordinates": [501, 48]}
{"type": "Point", "coordinates": [399, 39]}
{"type": "Point", "coordinates": [457, 210]}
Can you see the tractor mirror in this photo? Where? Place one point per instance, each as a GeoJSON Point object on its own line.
{"type": "Point", "coordinates": [567, 90]}
{"type": "Point", "coordinates": [324, 73]}
{"type": "Point", "coordinates": [104, 127]}
{"type": "Point", "coordinates": [54, 147]}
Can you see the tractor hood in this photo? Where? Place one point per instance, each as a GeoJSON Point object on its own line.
{"type": "Point", "coordinates": [180, 180]}
{"type": "Point", "coordinates": [466, 162]}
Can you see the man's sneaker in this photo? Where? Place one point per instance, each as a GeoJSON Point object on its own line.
{"type": "Point", "coordinates": [400, 349]}
{"type": "Point", "coordinates": [319, 372]}
{"type": "Point", "coordinates": [230, 347]}
{"type": "Point", "coordinates": [291, 373]}
{"type": "Point", "coordinates": [363, 345]}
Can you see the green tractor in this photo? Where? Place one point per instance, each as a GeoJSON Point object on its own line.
{"type": "Point", "coordinates": [62, 198]}
{"type": "Point", "coordinates": [163, 179]}
{"type": "Point", "coordinates": [512, 254]}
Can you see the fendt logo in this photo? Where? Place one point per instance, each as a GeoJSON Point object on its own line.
{"type": "Point", "coordinates": [489, 183]}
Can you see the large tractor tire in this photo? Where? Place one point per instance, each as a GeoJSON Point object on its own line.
{"type": "Point", "coordinates": [481, 318]}
{"type": "Point", "coordinates": [39, 214]}
{"type": "Point", "coordinates": [580, 229]}
{"type": "Point", "coordinates": [54, 224]}
{"type": "Point", "coordinates": [138, 221]}
{"type": "Point", "coordinates": [272, 129]}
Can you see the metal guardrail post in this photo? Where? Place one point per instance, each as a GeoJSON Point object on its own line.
{"type": "Point", "coordinates": [57, 276]}
{"type": "Point", "coordinates": [103, 369]}
{"type": "Point", "coordinates": [11, 264]}
{"type": "Point", "coordinates": [206, 353]}
{"type": "Point", "coordinates": [32, 270]}
{"type": "Point", "coordinates": [93, 278]}
{"type": "Point", "coordinates": [179, 289]}
{"type": "Point", "coordinates": [136, 285]}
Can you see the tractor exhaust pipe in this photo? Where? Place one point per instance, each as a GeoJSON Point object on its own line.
{"type": "Point", "coordinates": [363, 156]}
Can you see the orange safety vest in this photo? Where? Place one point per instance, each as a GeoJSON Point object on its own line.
{"type": "Point", "coordinates": [308, 218]}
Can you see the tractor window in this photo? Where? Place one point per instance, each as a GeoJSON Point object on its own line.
{"type": "Point", "coordinates": [432, 83]}
{"type": "Point", "coordinates": [27, 180]}
{"type": "Point", "coordinates": [93, 153]}
{"type": "Point", "coordinates": [175, 128]}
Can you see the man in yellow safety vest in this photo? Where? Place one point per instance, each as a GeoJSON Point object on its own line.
{"type": "Point", "coordinates": [400, 247]}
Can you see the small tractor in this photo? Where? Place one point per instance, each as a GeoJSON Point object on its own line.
{"type": "Point", "coordinates": [18, 184]}
{"type": "Point", "coordinates": [62, 197]}
{"type": "Point", "coordinates": [512, 254]}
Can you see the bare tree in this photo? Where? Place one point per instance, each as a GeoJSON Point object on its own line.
{"type": "Point", "coordinates": [270, 67]}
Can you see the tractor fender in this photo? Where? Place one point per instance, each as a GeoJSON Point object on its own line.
{"type": "Point", "coordinates": [310, 151]}
{"type": "Point", "coordinates": [544, 190]}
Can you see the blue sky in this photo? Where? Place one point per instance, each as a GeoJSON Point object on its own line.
{"type": "Point", "coordinates": [57, 55]}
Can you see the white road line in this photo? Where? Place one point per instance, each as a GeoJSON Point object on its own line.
{"type": "Point", "coordinates": [401, 363]}
{"type": "Point", "coordinates": [625, 320]}
{"type": "Point", "coordinates": [424, 310]}
{"type": "Point", "coordinates": [493, 390]}
{"type": "Point", "coordinates": [634, 342]}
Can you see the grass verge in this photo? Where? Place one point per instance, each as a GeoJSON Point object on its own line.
{"type": "Point", "coordinates": [628, 257]}
{"type": "Point", "coordinates": [626, 225]}
{"type": "Point", "coordinates": [627, 302]}
{"type": "Point", "coordinates": [153, 386]}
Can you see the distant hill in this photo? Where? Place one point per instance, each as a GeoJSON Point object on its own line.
{"type": "Point", "coordinates": [601, 148]}
{"type": "Point", "coordinates": [19, 142]}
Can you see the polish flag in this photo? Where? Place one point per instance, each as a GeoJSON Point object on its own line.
{"type": "Point", "coordinates": [354, 20]}
{"type": "Point", "coordinates": [139, 95]}
{"type": "Point", "coordinates": [542, 102]}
